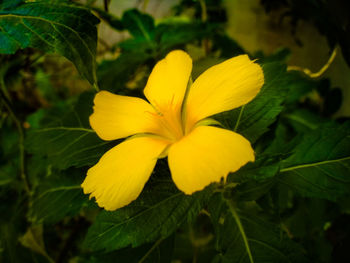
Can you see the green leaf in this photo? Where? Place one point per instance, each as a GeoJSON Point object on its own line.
{"type": "Point", "coordinates": [6, 4]}
{"type": "Point", "coordinates": [280, 55]}
{"type": "Point", "coordinates": [7, 174]}
{"type": "Point", "coordinates": [156, 214]}
{"type": "Point", "coordinates": [299, 85]}
{"type": "Point", "coordinates": [254, 179]}
{"type": "Point", "coordinates": [58, 196]}
{"type": "Point", "coordinates": [158, 252]}
{"type": "Point", "coordinates": [263, 240]}
{"type": "Point", "coordinates": [69, 141]}
{"type": "Point", "coordinates": [114, 74]}
{"type": "Point", "coordinates": [266, 166]}
{"type": "Point", "coordinates": [303, 120]}
{"type": "Point", "coordinates": [228, 47]}
{"type": "Point", "coordinates": [57, 27]}
{"type": "Point", "coordinates": [113, 21]}
{"type": "Point", "coordinates": [140, 25]}
{"type": "Point", "coordinates": [34, 240]}
{"type": "Point", "coordinates": [320, 165]}
{"type": "Point", "coordinates": [12, 227]}
{"type": "Point", "coordinates": [252, 120]}
{"type": "Point", "coordinates": [160, 39]}
{"type": "Point", "coordinates": [267, 242]}
{"type": "Point", "coordinates": [67, 146]}
{"type": "Point", "coordinates": [171, 35]}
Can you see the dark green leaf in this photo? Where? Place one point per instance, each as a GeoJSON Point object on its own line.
{"type": "Point", "coordinates": [254, 179]}
{"type": "Point", "coordinates": [12, 227]}
{"type": "Point", "coordinates": [302, 120]}
{"type": "Point", "coordinates": [320, 165]}
{"type": "Point", "coordinates": [114, 74]}
{"type": "Point", "coordinates": [281, 55]}
{"type": "Point", "coordinates": [67, 146]}
{"type": "Point", "coordinates": [139, 25]}
{"type": "Point", "coordinates": [8, 174]}
{"type": "Point", "coordinates": [266, 242]}
{"type": "Point", "coordinates": [69, 141]}
{"type": "Point", "coordinates": [227, 46]}
{"type": "Point", "coordinates": [265, 166]}
{"type": "Point", "coordinates": [252, 190]}
{"type": "Point", "coordinates": [5, 4]}
{"type": "Point", "coordinates": [57, 27]}
{"type": "Point", "coordinates": [172, 35]}
{"type": "Point", "coordinates": [33, 239]}
{"type": "Point", "coordinates": [57, 196]}
{"type": "Point", "coordinates": [157, 213]}
{"type": "Point", "coordinates": [299, 86]}
{"type": "Point", "coordinates": [158, 252]}
{"type": "Point", "coordinates": [113, 21]}
{"type": "Point", "coordinates": [333, 101]}
{"type": "Point", "coordinates": [10, 248]}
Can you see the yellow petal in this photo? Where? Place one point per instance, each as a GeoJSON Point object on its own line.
{"type": "Point", "coordinates": [205, 156]}
{"type": "Point", "coordinates": [223, 87]}
{"type": "Point", "coordinates": [167, 83]}
{"type": "Point", "coordinates": [118, 116]}
{"type": "Point", "coordinates": [120, 175]}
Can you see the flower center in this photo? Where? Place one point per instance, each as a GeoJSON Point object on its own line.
{"type": "Point", "coordinates": [170, 123]}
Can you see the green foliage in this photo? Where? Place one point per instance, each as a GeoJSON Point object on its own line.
{"type": "Point", "coordinates": [158, 252]}
{"type": "Point", "coordinates": [160, 210]}
{"type": "Point", "coordinates": [319, 166]}
{"type": "Point", "coordinates": [289, 205]}
{"type": "Point", "coordinates": [68, 140]}
{"type": "Point", "coordinates": [149, 42]}
{"type": "Point", "coordinates": [56, 197]}
{"type": "Point", "coordinates": [265, 241]}
{"type": "Point", "coordinates": [140, 26]}
{"type": "Point", "coordinates": [58, 27]}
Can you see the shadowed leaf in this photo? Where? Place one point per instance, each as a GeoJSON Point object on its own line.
{"type": "Point", "coordinates": [57, 196]}
{"type": "Point", "coordinates": [320, 165]}
{"type": "Point", "coordinates": [155, 214]}
{"type": "Point", "coordinates": [68, 141]}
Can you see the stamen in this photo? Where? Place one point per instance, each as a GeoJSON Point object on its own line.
{"type": "Point", "coordinates": [168, 119]}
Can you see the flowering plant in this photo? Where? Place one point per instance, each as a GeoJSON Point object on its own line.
{"type": "Point", "coordinates": [170, 143]}
{"type": "Point", "coordinates": [172, 125]}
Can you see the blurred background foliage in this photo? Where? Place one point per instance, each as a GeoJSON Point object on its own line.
{"type": "Point", "coordinates": [49, 67]}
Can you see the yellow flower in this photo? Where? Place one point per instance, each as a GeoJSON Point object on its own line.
{"type": "Point", "coordinates": [171, 124]}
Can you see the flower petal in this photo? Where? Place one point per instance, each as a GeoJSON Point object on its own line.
{"type": "Point", "coordinates": [167, 83]}
{"type": "Point", "coordinates": [205, 156]}
{"type": "Point", "coordinates": [120, 175]}
{"type": "Point", "coordinates": [223, 87]}
{"type": "Point", "coordinates": [118, 116]}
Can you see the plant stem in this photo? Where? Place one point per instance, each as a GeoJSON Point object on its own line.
{"type": "Point", "coordinates": [96, 87]}
{"type": "Point", "coordinates": [233, 211]}
{"type": "Point", "coordinates": [144, 6]}
{"type": "Point", "coordinates": [204, 14]}
{"type": "Point", "coordinates": [105, 4]}
{"type": "Point", "coordinates": [318, 73]}
{"type": "Point", "coordinates": [195, 255]}
{"type": "Point", "coordinates": [204, 18]}
{"type": "Point", "coordinates": [239, 118]}
{"type": "Point", "coordinates": [21, 136]}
